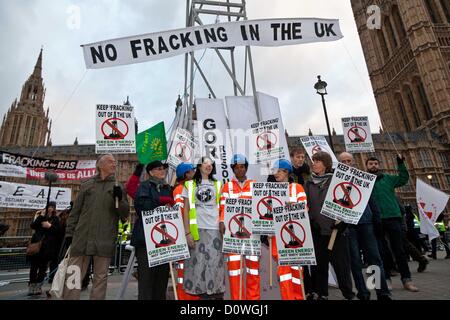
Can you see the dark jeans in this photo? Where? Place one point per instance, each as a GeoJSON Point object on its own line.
{"type": "Point", "coordinates": [392, 231]}
{"type": "Point", "coordinates": [412, 250]}
{"type": "Point", "coordinates": [363, 237]}
{"type": "Point", "coordinates": [434, 245]}
{"type": "Point", "coordinates": [317, 280]}
{"type": "Point", "coordinates": [38, 268]}
{"type": "Point", "coordinates": [152, 282]}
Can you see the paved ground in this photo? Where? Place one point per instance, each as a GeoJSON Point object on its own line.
{"type": "Point", "coordinates": [434, 284]}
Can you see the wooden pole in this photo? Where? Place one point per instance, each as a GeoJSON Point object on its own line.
{"type": "Point", "coordinates": [270, 263]}
{"type": "Point", "coordinates": [333, 236]}
{"type": "Point", "coordinates": [302, 281]}
{"type": "Point", "coordinates": [241, 276]}
{"type": "Point", "coordinates": [174, 283]}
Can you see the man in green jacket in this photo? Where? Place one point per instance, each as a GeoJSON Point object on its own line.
{"type": "Point", "coordinates": [92, 225]}
{"type": "Point", "coordinates": [391, 218]}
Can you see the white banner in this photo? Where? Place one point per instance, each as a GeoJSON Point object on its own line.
{"type": "Point", "coordinates": [238, 237]}
{"type": "Point", "coordinates": [430, 203]}
{"type": "Point", "coordinates": [357, 134]}
{"type": "Point", "coordinates": [27, 196]}
{"type": "Point", "coordinates": [270, 109]}
{"type": "Point", "coordinates": [348, 194]}
{"type": "Point", "coordinates": [268, 198]}
{"type": "Point", "coordinates": [267, 143]}
{"type": "Point", "coordinates": [293, 235]}
{"type": "Point", "coordinates": [164, 236]}
{"type": "Point", "coordinates": [213, 135]}
{"type": "Point", "coordinates": [22, 166]}
{"type": "Point", "coordinates": [115, 129]}
{"type": "Point", "coordinates": [160, 45]}
{"type": "Point", "coordinates": [183, 148]}
{"type": "Point", "coordinates": [241, 114]}
{"type": "Point", "coordinates": [314, 144]}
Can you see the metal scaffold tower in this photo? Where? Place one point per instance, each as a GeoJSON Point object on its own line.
{"type": "Point", "coordinates": [197, 11]}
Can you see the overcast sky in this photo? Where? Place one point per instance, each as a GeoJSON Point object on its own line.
{"type": "Point", "coordinates": [288, 72]}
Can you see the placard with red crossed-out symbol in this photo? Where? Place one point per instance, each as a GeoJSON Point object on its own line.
{"type": "Point", "coordinates": [164, 235]}
{"type": "Point", "coordinates": [348, 194]}
{"type": "Point", "coordinates": [182, 149]}
{"type": "Point", "coordinates": [314, 144]}
{"type": "Point", "coordinates": [357, 134]}
{"type": "Point", "coordinates": [293, 236]}
{"type": "Point", "coordinates": [238, 237]}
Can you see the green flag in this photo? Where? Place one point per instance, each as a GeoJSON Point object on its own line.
{"type": "Point", "coordinates": [151, 144]}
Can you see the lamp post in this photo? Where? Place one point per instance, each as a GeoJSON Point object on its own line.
{"type": "Point", "coordinates": [321, 88]}
{"type": "Point", "coordinates": [429, 177]}
{"type": "Point", "coordinates": [50, 176]}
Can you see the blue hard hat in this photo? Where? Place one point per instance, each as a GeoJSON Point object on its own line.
{"type": "Point", "coordinates": [238, 159]}
{"type": "Point", "coordinates": [283, 164]}
{"type": "Point", "coordinates": [184, 167]}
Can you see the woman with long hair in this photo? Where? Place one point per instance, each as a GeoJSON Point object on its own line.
{"type": "Point", "coordinates": [204, 272]}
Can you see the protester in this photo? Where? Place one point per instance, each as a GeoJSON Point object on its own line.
{"type": "Point", "coordinates": [204, 272]}
{"type": "Point", "coordinates": [321, 226]}
{"type": "Point", "coordinates": [289, 276]}
{"type": "Point", "coordinates": [440, 226]}
{"type": "Point", "coordinates": [92, 225]}
{"type": "Point", "coordinates": [152, 193]}
{"type": "Point", "coordinates": [384, 194]}
{"type": "Point", "coordinates": [134, 181]}
{"type": "Point", "coordinates": [300, 169]}
{"type": "Point", "coordinates": [46, 229]}
{"type": "Point", "coordinates": [240, 187]}
{"type": "Point", "coordinates": [410, 248]}
{"type": "Point", "coordinates": [413, 229]}
{"type": "Point", "coordinates": [184, 172]}
{"type": "Point", "coordinates": [362, 236]}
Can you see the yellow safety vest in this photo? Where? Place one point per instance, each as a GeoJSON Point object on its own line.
{"type": "Point", "coordinates": [124, 232]}
{"type": "Point", "coordinates": [191, 186]}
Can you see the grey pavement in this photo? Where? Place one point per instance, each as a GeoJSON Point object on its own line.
{"type": "Point", "coordinates": [433, 284]}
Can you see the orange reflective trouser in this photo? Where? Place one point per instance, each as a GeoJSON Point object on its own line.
{"type": "Point", "coordinates": [252, 277]}
{"type": "Point", "coordinates": [289, 277]}
{"type": "Point", "coordinates": [182, 295]}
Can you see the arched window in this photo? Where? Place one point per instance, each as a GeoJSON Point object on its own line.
{"type": "Point", "coordinates": [433, 11]}
{"type": "Point", "coordinates": [402, 113]}
{"type": "Point", "coordinates": [399, 26]}
{"type": "Point", "coordinates": [383, 44]}
{"type": "Point", "coordinates": [390, 33]}
{"type": "Point", "coordinates": [412, 105]}
{"type": "Point", "coordinates": [425, 104]}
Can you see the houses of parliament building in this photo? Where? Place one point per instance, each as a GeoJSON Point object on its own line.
{"type": "Point", "coordinates": [408, 61]}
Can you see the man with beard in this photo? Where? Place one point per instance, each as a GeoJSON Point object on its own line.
{"type": "Point", "coordinates": [391, 218]}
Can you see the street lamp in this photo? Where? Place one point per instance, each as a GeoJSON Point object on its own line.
{"type": "Point", "coordinates": [321, 88]}
{"type": "Point", "coordinates": [51, 177]}
{"type": "Point", "coordinates": [429, 177]}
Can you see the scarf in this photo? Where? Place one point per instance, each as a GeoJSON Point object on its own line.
{"type": "Point", "coordinates": [159, 183]}
{"type": "Point", "coordinates": [320, 180]}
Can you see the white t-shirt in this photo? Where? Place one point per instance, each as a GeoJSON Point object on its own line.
{"type": "Point", "coordinates": [205, 205]}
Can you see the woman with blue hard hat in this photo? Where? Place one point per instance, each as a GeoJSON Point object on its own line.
{"type": "Point", "coordinates": [290, 277]}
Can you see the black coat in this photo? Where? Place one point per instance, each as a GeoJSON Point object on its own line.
{"type": "Point", "coordinates": [51, 238]}
{"type": "Point", "coordinates": [147, 198]}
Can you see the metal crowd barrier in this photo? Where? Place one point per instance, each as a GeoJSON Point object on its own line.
{"type": "Point", "coordinates": [13, 253]}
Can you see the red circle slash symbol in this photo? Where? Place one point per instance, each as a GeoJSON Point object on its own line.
{"type": "Point", "coordinates": [357, 134]}
{"type": "Point", "coordinates": [239, 221]}
{"type": "Point", "coordinates": [183, 152]}
{"type": "Point", "coordinates": [118, 127]}
{"type": "Point", "coordinates": [346, 194]}
{"type": "Point", "coordinates": [265, 207]}
{"type": "Point", "coordinates": [266, 140]}
{"type": "Point", "coordinates": [164, 234]}
{"type": "Point", "coordinates": [316, 149]}
{"type": "Point", "coordinates": [290, 232]}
